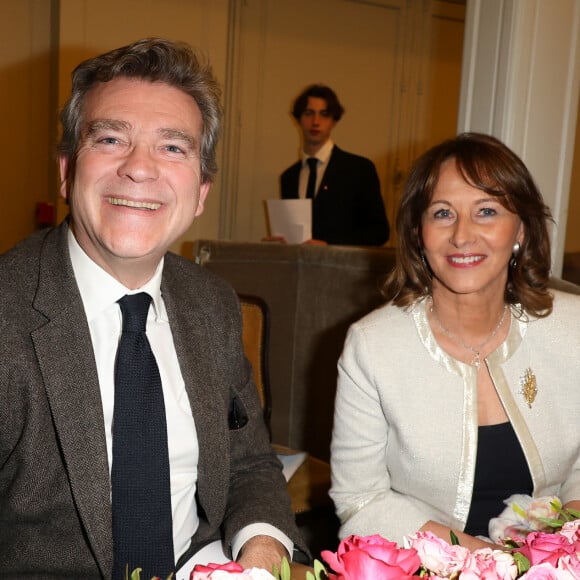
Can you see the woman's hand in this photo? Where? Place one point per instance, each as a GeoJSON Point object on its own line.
{"type": "Point", "coordinates": [465, 540]}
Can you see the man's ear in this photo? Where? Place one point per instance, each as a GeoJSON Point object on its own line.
{"type": "Point", "coordinates": [203, 191]}
{"type": "Point", "coordinates": [64, 168]}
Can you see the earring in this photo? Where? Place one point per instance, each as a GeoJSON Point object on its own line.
{"type": "Point", "coordinates": [515, 251]}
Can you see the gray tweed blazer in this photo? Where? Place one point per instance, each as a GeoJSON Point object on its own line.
{"type": "Point", "coordinates": [55, 511]}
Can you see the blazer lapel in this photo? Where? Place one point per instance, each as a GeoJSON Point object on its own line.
{"type": "Point", "coordinates": [65, 357]}
{"type": "Point", "coordinates": [331, 168]}
{"type": "Point", "coordinates": [192, 332]}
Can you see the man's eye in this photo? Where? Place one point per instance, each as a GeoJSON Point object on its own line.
{"type": "Point", "coordinates": [108, 140]}
{"type": "Point", "coordinates": [173, 149]}
{"type": "Point", "coordinates": [325, 114]}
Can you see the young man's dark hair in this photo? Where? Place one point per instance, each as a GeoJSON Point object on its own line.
{"type": "Point", "coordinates": [333, 105]}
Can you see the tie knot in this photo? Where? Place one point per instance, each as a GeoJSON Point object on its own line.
{"type": "Point", "coordinates": [134, 308]}
{"type": "Point", "coordinates": [312, 162]}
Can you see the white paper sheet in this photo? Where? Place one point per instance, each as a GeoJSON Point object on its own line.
{"type": "Point", "coordinates": [291, 462]}
{"type": "Point", "coordinates": [290, 218]}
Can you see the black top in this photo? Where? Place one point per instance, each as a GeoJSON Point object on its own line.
{"type": "Point", "coordinates": [500, 471]}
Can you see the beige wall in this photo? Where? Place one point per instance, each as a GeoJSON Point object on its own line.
{"type": "Point", "coordinates": [26, 160]}
{"type": "Point", "coordinates": [89, 27]}
{"type": "Point", "coordinates": [42, 40]}
{"type": "Point", "coordinates": [573, 223]}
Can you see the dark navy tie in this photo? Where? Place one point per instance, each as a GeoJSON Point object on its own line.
{"type": "Point", "coordinates": [141, 493]}
{"type": "Point", "coordinates": [311, 186]}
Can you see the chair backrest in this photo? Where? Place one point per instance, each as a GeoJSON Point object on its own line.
{"type": "Point", "coordinates": [255, 335]}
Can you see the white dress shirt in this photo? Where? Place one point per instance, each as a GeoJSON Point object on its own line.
{"type": "Point", "coordinates": [100, 293]}
{"type": "Point", "coordinates": [323, 157]}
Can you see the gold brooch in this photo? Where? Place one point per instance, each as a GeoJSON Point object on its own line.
{"type": "Point", "coordinates": [529, 386]}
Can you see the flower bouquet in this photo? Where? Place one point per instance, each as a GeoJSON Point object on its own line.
{"type": "Point", "coordinates": [537, 540]}
{"type": "Point", "coordinates": [540, 541]}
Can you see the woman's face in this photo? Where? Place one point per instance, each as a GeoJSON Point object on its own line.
{"type": "Point", "coordinates": [468, 237]}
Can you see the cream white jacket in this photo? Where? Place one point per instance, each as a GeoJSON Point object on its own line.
{"type": "Point", "coordinates": [405, 427]}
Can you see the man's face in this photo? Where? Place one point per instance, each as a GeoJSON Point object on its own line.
{"type": "Point", "coordinates": [316, 123]}
{"type": "Point", "coordinates": [136, 185]}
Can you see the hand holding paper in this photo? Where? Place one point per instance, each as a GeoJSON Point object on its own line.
{"type": "Point", "coordinates": [290, 218]}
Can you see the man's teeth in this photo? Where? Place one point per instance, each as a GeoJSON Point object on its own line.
{"type": "Point", "coordinates": [466, 259]}
{"type": "Point", "coordinates": [135, 204]}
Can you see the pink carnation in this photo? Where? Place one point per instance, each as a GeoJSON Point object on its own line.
{"type": "Point", "coordinates": [437, 555]}
{"type": "Point", "coordinates": [372, 557]}
{"type": "Point", "coordinates": [539, 547]}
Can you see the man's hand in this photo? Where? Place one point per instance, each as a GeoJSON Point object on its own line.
{"type": "Point", "coordinates": [262, 552]}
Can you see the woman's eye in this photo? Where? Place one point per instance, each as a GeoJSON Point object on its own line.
{"type": "Point", "coordinates": [108, 140]}
{"type": "Point", "coordinates": [442, 213]}
{"type": "Point", "coordinates": [488, 211]}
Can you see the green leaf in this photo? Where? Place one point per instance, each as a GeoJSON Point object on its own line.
{"type": "Point", "coordinates": [285, 570]}
{"type": "Point", "coordinates": [319, 571]}
{"type": "Point", "coordinates": [552, 522]}
{"type": "Point", "coordinates": [454, 538]}
{"type": "Point", "coordinates": [522, 562]}
{"type": "Point", "coordinates": [136, 574]}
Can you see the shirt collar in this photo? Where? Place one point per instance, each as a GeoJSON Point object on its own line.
{"type": "Point", "coordinates": [323, 154]}
{"type": "Point", "coordinates": [99, 289]}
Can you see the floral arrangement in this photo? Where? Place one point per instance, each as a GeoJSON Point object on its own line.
{"type": "Point", "coordinates": [540, 541]}
{"type": "Point", "coordinates": [537, 540]}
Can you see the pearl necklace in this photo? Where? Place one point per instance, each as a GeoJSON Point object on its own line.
{"type": "Point", "coordinates": [476, 350]}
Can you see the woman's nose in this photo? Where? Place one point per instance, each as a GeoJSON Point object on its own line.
{"type": "Point", "coordinates": [462, 233]}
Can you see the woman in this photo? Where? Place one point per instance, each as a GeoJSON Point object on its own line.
{"type": "Point", "coordinates": [465, 387]}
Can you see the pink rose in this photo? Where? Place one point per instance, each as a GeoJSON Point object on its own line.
{"type": "Point", "coordinates": [201, 572]}
{"type": "Point", "coordinates": [542, 508]}
{"type": "Point", "coordinates": [488, 564]}
{"type": "Point", "coordinates": [437, 555]}
{"type": "Point", "coordinates": [372, 557]}
{"type": "Point", "coordinates": [571, 530]}
{"type": "Point", "coordinates": [545, 572]}
{"type": "Point", "coordinates": [229, 571]}
{"type": "Point", "coordinates": [539, 547]}
{"type": "Point", "coordinates": [571, 565]}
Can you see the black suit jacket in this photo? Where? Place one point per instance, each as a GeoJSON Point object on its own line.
{"type": "Point", "coordinates": [348, 208]}
{"type": "Point", "coordinates": [55, 509]}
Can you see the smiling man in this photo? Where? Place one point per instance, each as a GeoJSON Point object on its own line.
{"type": "Point", "coordinates": [132, 432]}
{"type": "Point", "coordinates": [347, 206]}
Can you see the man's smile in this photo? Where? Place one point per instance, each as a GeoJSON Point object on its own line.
{"type": "Point", "coordinates": [133, 204]}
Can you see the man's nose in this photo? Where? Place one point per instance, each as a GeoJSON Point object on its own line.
{"type": "Point", "coordinates": [139, 164]}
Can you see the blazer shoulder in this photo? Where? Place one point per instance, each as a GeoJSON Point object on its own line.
{"type": "Point", "coordinates": [289, 172]}
{"type": "Point", "coordinates": [182, 275]}
{"type": "Point", "coordinates": [348, 157]}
